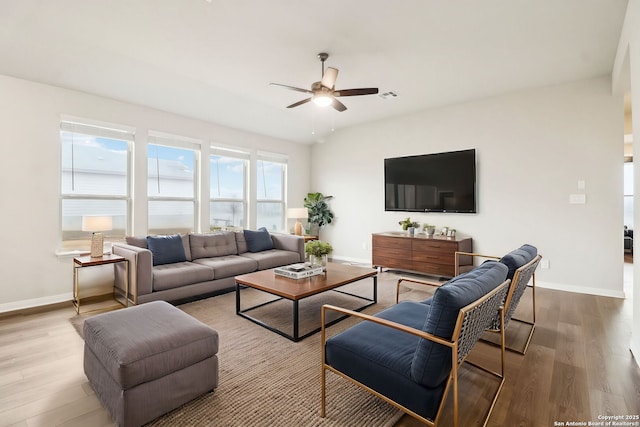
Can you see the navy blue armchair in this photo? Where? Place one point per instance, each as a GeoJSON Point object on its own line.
{"type": "Point", "coordinates": [409, 354]}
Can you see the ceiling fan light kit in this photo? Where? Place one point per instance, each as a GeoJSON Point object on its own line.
{"type": "Point", "coordinates": [322, 99]}
{"type": "Point", "coordinates": [323, 93]}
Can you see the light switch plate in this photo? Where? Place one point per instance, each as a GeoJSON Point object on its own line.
{"type": "Point", "coordinates": [577, 199]}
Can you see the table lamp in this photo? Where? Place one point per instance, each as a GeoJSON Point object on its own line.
{"type": "Point", "coordinates": [96, 224]}
{"type": "Point", "coordinates": [298, 214]}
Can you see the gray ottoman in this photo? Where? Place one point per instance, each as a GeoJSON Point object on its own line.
{"type": "Point", "coordinates": [147, 360]}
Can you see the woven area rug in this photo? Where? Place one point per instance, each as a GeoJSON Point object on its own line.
{"type": "Point", "coordinates": [268, 380]}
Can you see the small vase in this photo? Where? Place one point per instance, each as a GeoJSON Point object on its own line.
{"type": "Point", "coordinates": [320, 260]}
{"type": "Point", "coordinates": [411, 231]}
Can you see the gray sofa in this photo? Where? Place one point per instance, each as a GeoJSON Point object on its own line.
{"type": "Point", "coordinates": [179, 267]}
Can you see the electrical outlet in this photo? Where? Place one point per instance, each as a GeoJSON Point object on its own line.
{"type": "Point", "coordinates": [544, 264]}
{"type": "Point", "coordinates": [364, 246]}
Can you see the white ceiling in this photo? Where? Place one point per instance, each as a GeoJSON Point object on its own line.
{"type": "Point", "coordinates": [214, 60]}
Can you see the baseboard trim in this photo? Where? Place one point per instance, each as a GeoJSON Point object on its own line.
{"type": "Point", "coordinates": [35, 302]}
{"type": "Point", "coordinates": [352, 260]}
{"type": "Point", "coordinates": [581, 289]}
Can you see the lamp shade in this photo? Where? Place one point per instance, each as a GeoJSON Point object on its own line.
{"type": "Point", "coordinates": [97, 223]}
{"type": "Point", "coordinates": [297, 213]}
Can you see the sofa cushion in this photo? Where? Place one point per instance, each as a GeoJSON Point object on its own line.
{"type": "Point", "coordinates": [241, 242]}
{"type": "Point", "coordinates": [166, 249]}
{"type": "Point", "coordinates": [272, 258]}
{"type": "Point", "coordinates": [174, 275]}
{"type": "Point", "coordinates": [228, 265]}
{"type": "Point", "coordinates": [259, 240]}
{"type": "Point", "coordinates": [519, 257]}
{"type": "Point", "coordinates": [186, 245]}
{"type": "Point", "coordinates": [432, 362]}
{"type": "Point", "coordinates": [213, 245]}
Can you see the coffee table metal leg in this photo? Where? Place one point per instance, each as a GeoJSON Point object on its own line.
{"type": "Point", "coordinates": [375, 289]}
{"type": "Point", "coordinates": [237, 298]}
{"type": "Point", "coordinates": [296, 330]}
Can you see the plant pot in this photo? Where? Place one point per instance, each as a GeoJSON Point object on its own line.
{"type": "Point", "coordinates": [411, 230]}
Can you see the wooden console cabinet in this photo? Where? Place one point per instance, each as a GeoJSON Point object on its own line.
{"type": "Point", "coordinates": [429, 255]}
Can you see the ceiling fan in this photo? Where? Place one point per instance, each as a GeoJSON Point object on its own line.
{"type": "Point", "coordinates": [323, 93]}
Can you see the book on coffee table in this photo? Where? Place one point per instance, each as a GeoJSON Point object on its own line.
{"type": "Point", "coordinates": [299, 271]}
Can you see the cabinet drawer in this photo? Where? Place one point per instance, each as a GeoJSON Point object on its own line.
{"type": "Point", "coordinates": [399, 253]}
{"type": "Point", "coordinates": [391, 242]}
{"type": "Point", "coordinates": [434, 246]}
{"type": "Point", "coordinates": [433, 268]}
{"type": "Point", "coordinates": [434, 257]}
{"type": "Point", "coordinates": [382, 261]}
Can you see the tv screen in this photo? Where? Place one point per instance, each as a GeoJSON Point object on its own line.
{"type": "Point", "coordinates": [442, 182]}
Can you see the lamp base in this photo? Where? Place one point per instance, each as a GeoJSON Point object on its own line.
{"type": "Point", "coordinates": [298, 229]}
{"type": "Point", "coordinates": [97, 245]}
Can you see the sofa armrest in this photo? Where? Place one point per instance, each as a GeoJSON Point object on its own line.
{"type": "Point", "coordinates": [289, 242]}
{"type": "Point", "coordinates": [140, 269]}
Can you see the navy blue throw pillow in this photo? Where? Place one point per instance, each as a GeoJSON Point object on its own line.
{"type": "Point", "coordinates": [258, 241]}
{"type": "Point", "coordinates": [166, 249]}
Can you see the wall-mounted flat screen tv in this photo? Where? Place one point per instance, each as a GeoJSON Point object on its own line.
{"type": "Point", "coordinates": [441, 182]}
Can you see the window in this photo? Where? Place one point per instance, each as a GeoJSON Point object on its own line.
{"type": "Point", "coordinates": [228, 190]}
{"type": "Point", "coordinates": [95, 180]}
{"type": "Point", "coordinates": [270, 185]}
{"type": "Point", "coordinates": [171, 184]}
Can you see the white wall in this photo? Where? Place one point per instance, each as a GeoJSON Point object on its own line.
{"type": "Point", "coordinates": [32, 273]}
{"type": "Point", "coordinates": [532, 148]}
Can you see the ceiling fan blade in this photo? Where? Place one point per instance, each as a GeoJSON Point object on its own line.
{"type": "Point", "coordinates": [304, 101]}
{"type": "Point", "coordinates": [297, 89]}
{"type": "Point", "coordinates": [338, 105]}
{"type": "Point", "coordinates": [329, 78]}
{"type": "Point", "coordinates": [356, 92]}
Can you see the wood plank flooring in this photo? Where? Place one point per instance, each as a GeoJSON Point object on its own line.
{"type": "Point", "coordinates": [578, 367]}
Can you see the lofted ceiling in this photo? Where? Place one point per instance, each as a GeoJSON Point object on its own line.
{"type": "Point", "coordinates": [214, 59]}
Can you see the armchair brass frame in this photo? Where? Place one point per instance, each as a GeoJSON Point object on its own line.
{"type": "Point", "coordinates": [519, 284]}
{"type": "Point", "coordinates": [473, 320]}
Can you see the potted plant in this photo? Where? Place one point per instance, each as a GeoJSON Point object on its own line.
{"type": "Point", "coordinates": [430, 229]}
{"type": "Point", "coordinates": [409, 225]}
{"type": "Point", "coordinates": [319, 212]}
{"type": "Point", "coordinates": [318, 252]}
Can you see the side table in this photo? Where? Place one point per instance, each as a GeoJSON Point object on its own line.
{"type": "Point", "coordinates": [87, 261]}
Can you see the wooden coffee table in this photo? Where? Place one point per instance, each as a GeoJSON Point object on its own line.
{"type": "Point", "coordinates": [336, 275]}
